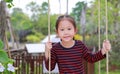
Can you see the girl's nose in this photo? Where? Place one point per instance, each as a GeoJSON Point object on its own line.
{"type": "Point", "coordinates": [66, 32]}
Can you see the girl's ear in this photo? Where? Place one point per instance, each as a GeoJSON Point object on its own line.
{"type": "Point", "coordinates": [76, 30]}
{"type": "Point", "coordinates": [56, 31]}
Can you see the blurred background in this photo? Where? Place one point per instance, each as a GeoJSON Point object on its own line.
{"type": "Point", "coordinates": [23, 22]}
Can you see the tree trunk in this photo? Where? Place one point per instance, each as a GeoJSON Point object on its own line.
{"type": "Point", "coordinates": [67, 8]}
{"type": "Point", "coordinates": [83, 21]}
{"type": "Point", "coordinates": [2, 20]}
{"type": "Point", "coordinates": [59, 7]}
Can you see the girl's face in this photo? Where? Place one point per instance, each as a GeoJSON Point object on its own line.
{"type": "Point", "coordinates": [66, 30]}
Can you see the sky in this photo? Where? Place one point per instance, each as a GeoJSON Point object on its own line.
{"type": "Point", "coordinates": [54, 4]}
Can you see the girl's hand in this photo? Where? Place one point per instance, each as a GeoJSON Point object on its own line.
{"type": "Point", "coordinates": [106, 47]}
{"type": "Point", "coordinates": [48, 47]}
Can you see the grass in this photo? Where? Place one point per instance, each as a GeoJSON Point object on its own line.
{"type": "Point", "coordinates": [103, 68]}
{"type": "Point", "coordinates": [110, 72]}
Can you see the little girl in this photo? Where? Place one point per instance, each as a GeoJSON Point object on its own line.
{"type": "Point", "coordinates": [69, 53]}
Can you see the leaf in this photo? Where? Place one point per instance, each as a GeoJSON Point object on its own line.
{"type": "Point", "coordinates": [9, 5]}
{"type": "Point", "coordinates": [9, 1]}
{"type": "Point", "coordinates": [1, 44]}
{"type": "Point", "coordinates": [4, 57]}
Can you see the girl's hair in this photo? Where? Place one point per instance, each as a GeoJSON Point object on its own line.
{"type": "Point", "coordinates": [65, 17]}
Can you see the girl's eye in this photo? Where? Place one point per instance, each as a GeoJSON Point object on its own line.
{"type": "Point", "coordinates": [69, 28]}
{"type": "Point", "coordinates": [62, 29]}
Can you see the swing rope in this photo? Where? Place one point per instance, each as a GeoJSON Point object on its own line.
{"type": "Point", "coordinates": [106, 30]}
{"type": "Point", "coordinates": [99, 47]}
{"type": "Point", "coordinates": [107, 58]}
{"type": "Point", "coordinates": [49, 35]}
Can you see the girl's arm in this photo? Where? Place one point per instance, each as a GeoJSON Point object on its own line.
{"type": "Point", "coordinates": [48, 48]}
{"type": "Point", "coordinates": [88, 56]}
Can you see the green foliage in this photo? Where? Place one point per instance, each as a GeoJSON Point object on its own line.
{"type": "Point", "coordinates": [4, 59]}
{"type": "Point", "coordinates": [112, 15]}
{"type": "Point", "coordinates": [20, 21]}
{"type": "Point", "coordinates": [37, 37]}
{"type": "Point", "coordinates": [32, 38]}
{"type": "Point", "coordinates": [76, 12]}
{"type": "Point", "coordinates": [1, 45]}
{"type": "Point", "coordinates": [42, 25]}
{"type": "Point", "coordinates": [115, 59]}
{"type": "Point", "coordinates": [9, 3]}
{"type": "Point", "coordinates": [34, 8]}
{"type": "Point", "coordinates": [103, 68]}
{"type": "Point", "coordinates": [44, 8]}
{"type": "Point", "coordinates": [37, 9]}
{"type": "Point", "coordinates": [113, 26]}
{"type": "Point", "coordinates": [3, 55]}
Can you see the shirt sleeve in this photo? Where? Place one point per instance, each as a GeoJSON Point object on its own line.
{"type": "Point", "coordinates": [91, 57]}
{"type": "Point", "coordinates": [53, 60]}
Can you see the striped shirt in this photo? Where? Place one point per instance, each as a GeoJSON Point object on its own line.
{"type": "Point", "coordinates": [70, 60]}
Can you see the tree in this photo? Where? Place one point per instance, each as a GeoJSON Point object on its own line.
{"type": "Point", "coordinates": [79, 13]}
{"type": "Point", "coordinates": [3, 24]}
{"type": "Point", "coordinates": [76, 11]}
{"type": "Point", "coordinates": [113, 25]}
{"type": "Point", "coordinates": [35, 9]}
{"type": "Point", "coordinates": [20, 22]}
{"type": "Point", "coordinates": [44, 8]}
{"type": "Point", "coordinates": [43, 24]}
{"type": "Point", "coordinates": [59, 7]}
{"type": "Point", "coordinates": [114, 6]}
